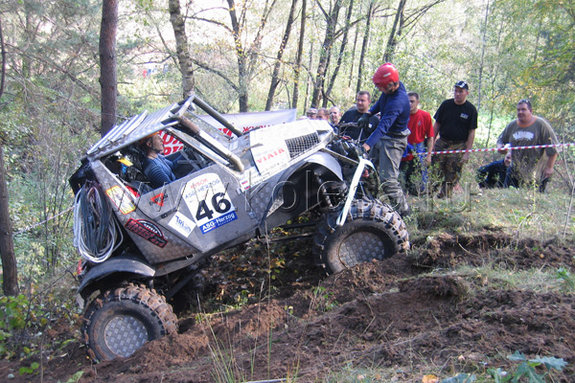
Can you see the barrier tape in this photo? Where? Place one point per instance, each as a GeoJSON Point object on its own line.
{"type": "Point", "coordinates": [21, 231]}
{"type": "Point", "coordinates": [424, 153]}
{"type": "Point", "coordinates": [496, 149]}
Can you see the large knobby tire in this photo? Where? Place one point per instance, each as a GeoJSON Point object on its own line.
{"type": "Point", "coordinates": [122, 320]}
{"type": "Point", "coordinates": [373, 230]}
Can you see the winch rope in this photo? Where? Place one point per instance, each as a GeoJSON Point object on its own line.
{"type": "Point", "coordinates": [95, 228]}
{"type": "Point", "coordinates": [33, 226]}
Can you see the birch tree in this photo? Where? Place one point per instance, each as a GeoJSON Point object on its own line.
{"type": "Point", "coordinates": [278, 62]}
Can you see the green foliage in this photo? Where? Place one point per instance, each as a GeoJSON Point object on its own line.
{"type": "Point", "coordinates": [25, 319]}
{"type": "Point", "coordinates": [26, 370]}
{"type": "Point", "coordinates": [567, 278]}
{"type": "Point", "coordinates": [460, 378]}
{"type": "Point", "coordinates": [527, 369]}
{"type": "Point", "coordinates": [323, 299]}
{"type": "Point", "coordinates": [14, 317]}
{"type": "Point", "coordinates": [75, 378]}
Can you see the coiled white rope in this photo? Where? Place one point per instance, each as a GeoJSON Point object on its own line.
{"type": "Point", "coordinates": [96, 231]}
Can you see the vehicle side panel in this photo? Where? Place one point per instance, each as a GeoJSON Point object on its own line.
{"type": "Point", "coordinates": [154, 242]}
{"type": "Point", "coordinates": [206, 209]}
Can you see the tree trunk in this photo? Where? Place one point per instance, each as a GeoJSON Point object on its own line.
{"type": "Point", "coordinates": [354, 49]}
{"type": "Point", "coordinates": [325, 53]}
{"type": "Point", "coordinates": [396, 31]}
{"type": "Point", "coordinates": [483, 47]}
{"type": "Point", "coordinates": [241, 56]}
{"type": "Point", "coordinates": [108, 81]}
{"type": "Point", "coordinates": [299, 54]}
{"type": "Point", "coordinates": [275, 75]}
{"type": "Point", "coordinates": [9, 265]}
{"type": "Point", "coordinates": [364, 46]}
{"type": "Point", "coordinates": [182, 51]}
{"type": "Point", "coordinates": [340, 55]}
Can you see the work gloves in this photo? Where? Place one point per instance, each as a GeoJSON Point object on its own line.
{"type": "Point", "coordinates": [363, 122]}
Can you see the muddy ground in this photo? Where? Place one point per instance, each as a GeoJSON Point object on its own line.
{"type": "Point", "coordinates": [297, 322]}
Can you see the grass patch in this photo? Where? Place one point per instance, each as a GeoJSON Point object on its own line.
{"type": "Point", "coordinates": [540, 280]}
{"type": "Point", "coordinates": [524, 213]}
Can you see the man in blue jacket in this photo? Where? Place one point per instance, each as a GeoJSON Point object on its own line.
{"type": "Point", "coordinates": [389, 139]}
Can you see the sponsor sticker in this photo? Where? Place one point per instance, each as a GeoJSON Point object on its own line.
{"type": "Point", "coordinates": [159, 199]}
{"type": "Point", "coordinates": [217, 222]}
{"type": "Point", "coordinates": [182, 224]}
{"type": "Point", "coordinates": [147, 230]}
{"type": "Point", "coordinates": [121, 199]}
{"type": "Point", "coordinates": [207, 199]}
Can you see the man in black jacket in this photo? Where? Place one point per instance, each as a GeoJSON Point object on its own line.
{"type": "Point", "coordinates": [348, 122]}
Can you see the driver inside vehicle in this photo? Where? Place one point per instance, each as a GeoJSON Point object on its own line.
{"type": "Point", "coordinates": [159, 169]}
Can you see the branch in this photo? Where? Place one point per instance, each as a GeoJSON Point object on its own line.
{"type": "Point", "coordinates": [256, 44]}
{"type": "Point", "coordinates": [216, 72]}
{"type": "Point", "coordinates": [218, 23]}
{"type": "Point", "coordinates": [338, 33]}
{"type": "Point", "coordinates": [325, 14]}
{"type": "Point", "coordinates": [51, 63]}
{"type": "Point", "coordinates": [419, 12]}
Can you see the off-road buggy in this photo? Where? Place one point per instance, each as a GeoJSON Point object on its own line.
{"type": "Point", "coordinates": [140, 246]}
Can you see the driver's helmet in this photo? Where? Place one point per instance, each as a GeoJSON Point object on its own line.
{"type": "Point", "coordinates": [385, 74]}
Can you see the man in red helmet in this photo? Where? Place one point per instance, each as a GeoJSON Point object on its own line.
{"type": "Point", "coordinates": [389, 139]}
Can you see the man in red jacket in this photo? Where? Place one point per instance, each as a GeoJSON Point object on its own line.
{"type": "Point", "coordinates": [421, 129]}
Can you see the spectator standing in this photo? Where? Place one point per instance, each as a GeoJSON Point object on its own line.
{"type": "Point", "coordinates": [493, 174]}
{"type": "Point", "coordinates": [421, 129]}
{"type": "Point", "coordinates": [322, 114]}
{"type": "Point", "coordinates": [311, 113]}
{"type": "Point", "coordinates": [389, 139]}
{"type": "Point", "coordinates": [455, 124]}
{"type": "Point", "coordinates": [348, 123]}
{"type": "Point", "coordinates": [334, 116]}
{"type": "Point", "coordinates": [528, 130]}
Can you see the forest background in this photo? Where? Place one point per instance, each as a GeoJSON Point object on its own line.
{"type": "Point", "coordinates": [253, 56]}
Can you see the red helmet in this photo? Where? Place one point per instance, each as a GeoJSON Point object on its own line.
{"type": "Point", "coordinates": [385, 74]}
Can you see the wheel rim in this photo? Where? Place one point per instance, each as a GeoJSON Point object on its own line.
{"type": "Point", "coordinates": [361, 246]}
{"type": "Point", "coordinates": [125, 334]}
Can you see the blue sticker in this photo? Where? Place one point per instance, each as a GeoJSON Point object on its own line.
{"type": "Point", "coordinates": [217, 222]}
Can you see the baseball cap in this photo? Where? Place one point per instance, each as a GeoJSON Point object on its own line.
{"type": "Point", "coordinates": [462, 84]}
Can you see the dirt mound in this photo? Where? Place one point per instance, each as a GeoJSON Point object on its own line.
{"type": "Point", "coordinates": [448, 250]}
{"type": "Point", "coordinates": [380, 314]}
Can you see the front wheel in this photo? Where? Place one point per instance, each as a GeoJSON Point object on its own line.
{"type": "Point", "coordinates": [124, 319]}
{"type": "Point", "coordinates": [373, 230]}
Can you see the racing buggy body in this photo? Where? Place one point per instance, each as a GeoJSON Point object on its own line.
{"type": "Point", "coordinates": [141, 245]}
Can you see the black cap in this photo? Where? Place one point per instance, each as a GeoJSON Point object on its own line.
{"type": "Point", "coordinates": [462, 84]}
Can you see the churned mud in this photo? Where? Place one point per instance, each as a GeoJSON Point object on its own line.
{"type": "Point", "coordinates": [291, 320]}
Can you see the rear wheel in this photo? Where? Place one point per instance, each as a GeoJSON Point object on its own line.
{"type": "Point", "coordinates": [124, 319]}
{"type": "Point", "coordinates": [373, 230]}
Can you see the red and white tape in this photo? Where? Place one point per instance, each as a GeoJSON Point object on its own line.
{"type": "Point", "coordinates": [496, 149]}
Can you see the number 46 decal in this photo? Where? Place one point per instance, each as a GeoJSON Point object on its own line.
{"type": "Point", "coordinates": [218, 202]}
{"type": "Point", "coordinates": [207, 199]}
